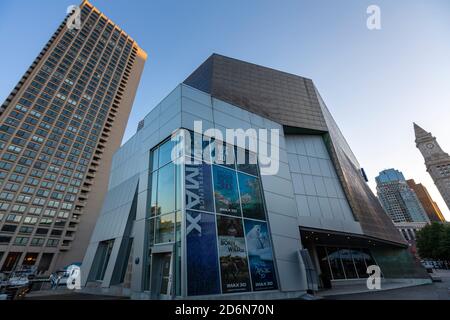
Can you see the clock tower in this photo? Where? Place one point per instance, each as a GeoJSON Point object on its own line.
{"type": "Point", "coordinates": [436, 161]}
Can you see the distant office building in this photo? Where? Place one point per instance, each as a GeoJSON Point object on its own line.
{"type": "Point", "coordinates": [409, 232]}
{"type": "Point", "coordinates": [398, 199]}
{"type": "Point", "coordinates": [430, 206]}
{"type": "Point", "coordinates": [216, 230]}
{"type": "Point", "coordinates": [436, 161]}
{"type": "Point", "coordinates": [58, 130]}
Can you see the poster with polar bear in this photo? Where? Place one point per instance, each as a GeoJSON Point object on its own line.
{"type": "Point", "coordinates": [260, 255]}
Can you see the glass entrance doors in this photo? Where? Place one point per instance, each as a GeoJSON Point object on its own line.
{"type": "Point", "coordinates": [161, 280]}
{"type": "Point", "coordinates": [165, 274]}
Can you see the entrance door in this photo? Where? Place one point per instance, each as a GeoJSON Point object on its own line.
{"type": "Point", "coordinates": [162, 275]}
{"type": "Point", "coordinates": [166, 274]}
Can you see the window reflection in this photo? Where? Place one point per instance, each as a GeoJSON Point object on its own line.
{"type": "Point", "coordinates": [335, 263]}
{"type": "Point", "coordinates": [165, 228]}
{"type": "Point", "coordinates": [166, 189]}
{"type": "Point", "coordinates": [344, 263]}
{"type": "Point", "coordinates": [347, 262]}
{"type": "Point", "coordinates": [155, 160]}
{"type": "Point", "coordinates": [154, 189]}
{"type": "Point", "coordinates": [360, 263]}
{"type": "Point", "coordinates": [165, 152]}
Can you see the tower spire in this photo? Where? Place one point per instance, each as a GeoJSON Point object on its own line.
{"type": "Point", "coordinates": [420, 132]}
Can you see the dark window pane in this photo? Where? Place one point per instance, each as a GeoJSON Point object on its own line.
{"type": "Point", "coordinates": [347, 261]}
{"type": "Point", "coordinates": [360, 264]}
{"type": "Point", "coordinates": [335, 263]}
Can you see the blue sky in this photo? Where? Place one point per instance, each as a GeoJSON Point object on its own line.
{"type": "Point", "coordinates": [376, 83]}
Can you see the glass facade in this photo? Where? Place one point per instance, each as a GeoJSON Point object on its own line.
{"type": "Point", "coordinates": [220, 232]}
{"type": "Point", "coordinates": [164, 215]}
{"type": "Point", "coordinates": [340, 263]}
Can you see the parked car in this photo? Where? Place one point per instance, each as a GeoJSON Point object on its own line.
{"type": "Point", "coordinates": [428, 265]}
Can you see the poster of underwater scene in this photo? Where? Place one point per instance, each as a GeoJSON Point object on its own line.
{"type": "Point", "coordinates": [232, 255]}
{"type": "Point", "coordinates": [251, 197]}
{"type": "Point", "coordinates": [226, 193]}
{"type": "Point", "coordinates": [260, 255]}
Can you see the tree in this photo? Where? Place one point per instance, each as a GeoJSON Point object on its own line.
{"type": "Point", "coordinates": [444, 243]}
{"type": "Point", "coordinates": [433, 241]}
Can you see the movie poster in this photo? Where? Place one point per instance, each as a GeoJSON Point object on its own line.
{"type": "Point", "coordinates": [198, 186]}
{"type": "Point", "coordinates": [251, 198]}
{"type": "Point", "coordinates": [260, 256]}
{"type": "Point", "coordinates": [233, 255]}
{"type": "Point", "coordinates": [226, 191]}
{"type": "Point", "coordinates": [201, 247]}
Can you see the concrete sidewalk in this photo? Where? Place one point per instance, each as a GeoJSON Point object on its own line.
{"type": "Point", "coordinates": [396, 290]}
{"type": "Point", "coordinates": [66, 294]}
{"type": "Point", "coordinates": [361, 287]}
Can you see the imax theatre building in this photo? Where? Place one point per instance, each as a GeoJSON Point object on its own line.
{"type": "Point", "coordinates": [191, 214]}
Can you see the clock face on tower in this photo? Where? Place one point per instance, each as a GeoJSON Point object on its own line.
{"type": "Point", "coordinates": [430, 146]}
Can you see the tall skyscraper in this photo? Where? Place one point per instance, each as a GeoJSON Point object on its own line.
{"type": "Point", "coordinates": [430, 206]}
{"type": "Point", "coordinates": [58, 130]}
{"type": "Point", "coordinates": [436, 161]}
{"type": "Point", "coordinates": [398, 199]}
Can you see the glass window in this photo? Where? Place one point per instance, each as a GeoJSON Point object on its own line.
{"type": "Point", "coordinates": [323, 261]}
{"type": "Point", "coordinates": [178, 192]}
{"type": "Point", "coordinates": [166, 189]}
{"type": "Point", "coordinates": [154, 160]}
{"type": "Point", "coordinates": [165, 152]}
{"type": "Point", "coordinates": [347, 262]}
{"type": "Point", "coordinates": [165, 228]}
{"type": "Point", "coordinates": [368, 257]}
{"type": "Point", "coordinates": [154, 189]}
{"type": "Point", "coordinates": [178, 226]}
{"type": "Point", "coordinates": [335, 263]}
{"type": "Point", "coordinates": [151, 232]}
{"type": "Point", "coordinates": [360, 264]}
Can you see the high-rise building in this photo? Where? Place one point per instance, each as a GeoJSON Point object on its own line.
{"type": "Point", "coordinates": [58, 130]}
{"type": "Point", "coordinates": [266, 229]}
{"type": "Point", "coordinates": [436, 160]}
{"type": "Point", "coordinates": [398, 199]}
{"type": "Point", "coordinates": [430, 206]}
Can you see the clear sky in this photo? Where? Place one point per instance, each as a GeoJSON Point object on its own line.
{"type": "Point", "coordinates": [376, 83]}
